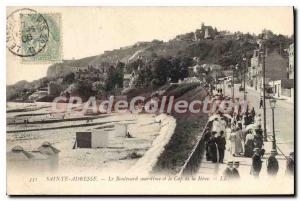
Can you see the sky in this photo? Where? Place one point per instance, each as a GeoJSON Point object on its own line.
{"type": "Point", "coordinates": [89, 31]}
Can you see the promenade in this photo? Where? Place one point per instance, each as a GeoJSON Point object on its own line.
{"type": "Point", "coordinates": [284, 127]}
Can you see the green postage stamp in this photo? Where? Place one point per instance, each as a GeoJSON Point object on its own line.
{"type": "Point", "coordinates": [49, 42]}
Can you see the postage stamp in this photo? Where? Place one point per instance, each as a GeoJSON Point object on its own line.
{"type": "Point", "coordinates": [33, 36]}
{"type": "Point", "coordinates": [53, 48]}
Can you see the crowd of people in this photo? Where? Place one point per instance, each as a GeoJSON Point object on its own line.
{"type": "Point", "coordinates": [244, 134]}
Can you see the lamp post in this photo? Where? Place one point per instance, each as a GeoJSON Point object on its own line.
{"type": "Point", "coordinates": [244, 74]}
{"type": "Point", "coordinates": [273, 105]}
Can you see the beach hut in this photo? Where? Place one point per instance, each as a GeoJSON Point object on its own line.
{"type": "Point", "coordinates": [95, 139]}
{"type": "Point", "coordinates": [51, 153]}
{"type": "Point", "coordinates": [45, 158]}
{"type": "Point", "coordinates": [18, 153]}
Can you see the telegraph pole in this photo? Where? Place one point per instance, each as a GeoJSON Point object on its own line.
{"type": "Point", "coordinates": [264, 90]}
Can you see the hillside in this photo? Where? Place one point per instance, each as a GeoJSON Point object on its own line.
{"type": "Point", "coordinates": [155, 62]}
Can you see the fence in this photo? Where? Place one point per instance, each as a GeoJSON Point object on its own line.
{"type": "Point", "coordinates": [193, 162]}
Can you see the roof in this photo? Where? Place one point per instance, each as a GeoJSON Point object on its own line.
{"type": "Point", "coordinates": [18, 153]}
{"type": "Point", "coordinates": [48, 149]}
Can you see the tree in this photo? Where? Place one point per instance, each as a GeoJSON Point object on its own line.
{"type": "Point", "coordinates": [69, 78]}
{"type": "Point", "coordinates": [160, 70]}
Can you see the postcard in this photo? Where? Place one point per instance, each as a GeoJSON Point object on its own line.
{"type": "Point", "coordinates": [150, 100]}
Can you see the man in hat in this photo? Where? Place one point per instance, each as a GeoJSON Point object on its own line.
{"type": "Point", "coordinates": [235, 172]}
{"type": "Point", "coordinates": [272, 164]}
{"type": "Point", "coordinates": [221, 142]}
{"type": "Point", "coordinates": [256, 163]}
{"type": "Point", "coordinates": [290, 165]}
{"type": "Point", "coordinates": [227, 175]}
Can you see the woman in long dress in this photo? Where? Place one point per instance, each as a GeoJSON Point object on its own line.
{"type": "Point", "coordinates": [231, 138]}
{"type": "Point", "coordinates": [238, 141]}
{"type": "Point", "coordinates": [249, 145]}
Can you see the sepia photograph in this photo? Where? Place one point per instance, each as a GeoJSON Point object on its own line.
{"type": "Point", "coordinates": [150, 100]}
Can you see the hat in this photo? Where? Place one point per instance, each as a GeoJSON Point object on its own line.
{"type": "Point", "coordinates": [273, 151]}
{"type": "Point", "coordinates": [237, 162]}
{"type": "Point", "coordinates": [230, 162]}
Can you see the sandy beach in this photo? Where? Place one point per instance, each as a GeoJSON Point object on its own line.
{"type": "Point", "coordinates": [121, 153]}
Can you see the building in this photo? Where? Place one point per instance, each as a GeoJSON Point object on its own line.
{"type": "Point", "coordinates": [207, 34]}
{"type": "Point", "coordinates": [283, 89]}
{"type": "Point", "coordinates": [95, 139]}
{"type": "Point", "coordinates": [129, 80]}
{"type": "Point", "coordinates": [190, 80]}
{"type": "Point", "coordinates": [275, 68]}
{"type": "Point", "coordinates": [255, 71]}
{"type": "Point", "coordinates": [278, 82]}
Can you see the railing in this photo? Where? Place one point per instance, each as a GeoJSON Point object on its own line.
{"type": "Point", "coordinates": [192, 163]}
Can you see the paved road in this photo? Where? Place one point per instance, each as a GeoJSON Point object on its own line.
{"type": "Point", "coordinates": [284, 116]}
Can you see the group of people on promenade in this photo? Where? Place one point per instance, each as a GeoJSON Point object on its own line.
{"type": "Point", "coordinates": [244, 133]}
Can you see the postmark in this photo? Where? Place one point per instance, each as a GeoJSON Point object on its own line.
{"type": "Point", "coordinates": [27, 32]}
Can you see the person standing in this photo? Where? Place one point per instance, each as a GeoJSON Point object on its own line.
{"type": "Point", "coordinates": [256, 163]}
{"type": "Point", "coordinates": [236, 142]}
{"type": "Point", "coordinates": [272, 164]}
{"type": "Point", "coordinates": [223, 124]}
{"type": "Point", "coordinates": [227, 132]}
{"type": "Point", "coordinates": [261, 103]}
{"type": "Point", "coordinates": [258, 140]}
{"type": "Point", "coordinates": [249, 145]}
{"type": "Point", "coordinates": [252, 115]}
{"type": "Point", "coordinates": [221, 143]}
{"type": "Point", "coordinates": [258, 120]}
{"type": "Point", "coordinates": [212, 149]}
{"type": "Point", "coordinates": [231, 138]}
{"type": "Point", "coordinates": [246, 120]}
{"type": "Point", "coordinates": [235, 172]}
{"type": "Point", "coordinates": [290, 165]}
{"type": "Point", "coordinates": [227, 174]}
{"type": "Point", "coordinates": [216, 127]}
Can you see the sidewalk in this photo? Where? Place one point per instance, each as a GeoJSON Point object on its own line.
{"type": "Point", "coordinates": [215, 170]}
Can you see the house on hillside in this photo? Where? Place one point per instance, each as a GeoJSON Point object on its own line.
{"type": "Point", "coordinates": [129, 80]}
{"type": "Point", "coordinates": [206, 32]}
